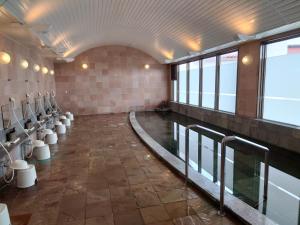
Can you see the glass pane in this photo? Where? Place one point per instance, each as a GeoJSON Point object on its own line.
{"type": "Point", "coordinates": [228, 76]}
{"type": "Point", "coordinates": [282, 79]}
{"type": "Point", "coordinates": [209, 80]}
{"type": "Point", "coordinates": [174, 90]}
{"type": "Point", "coordinates": [182, 83]}
{"type": "Point", "coordinates": [194, 83]}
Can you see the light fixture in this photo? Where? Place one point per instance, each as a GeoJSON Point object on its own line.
{"type": "Point", "coordinates": [36, 67]}
{"type": "Point", "coordinates": [247, 60]}
{"type": "Point", "coordinates": [4, 58]}
{"type": "Point", "coordinates": [24, 64]}
{"type": "Point", "coordinates": [52, 72]}
{"type": "Point", "coordinates": [45, 70]}
{"type": "Point", "coordinates": [147, 66]}
{"type": "Point", "coordinates": [84, 66]}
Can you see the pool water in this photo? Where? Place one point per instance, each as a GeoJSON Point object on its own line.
{"type": "Point", "coordinates": [244, 169]}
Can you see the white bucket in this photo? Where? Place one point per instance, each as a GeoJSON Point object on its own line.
{"type": "Point", "coordinates": [51, 139]}
{"type": "Point", "coordinates": [70, 116]}
{"type": "Point", "coordinates": [27, 177]}
{"type": "Point", "coordinates": [42, 152]}
{"type": "Point", "coordinates": [66, 122]}
{"type": "Point", "coordinates": [4, 216]}
{"type": "Point", "coordinates": [60, 129]}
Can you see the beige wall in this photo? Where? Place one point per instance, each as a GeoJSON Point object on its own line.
{"type": "Point", "coordinates": [248, 80]}
{"type": "Point", "coordinates": [116, 81]}
{"type": "Point", "coordinates": [13, 77]}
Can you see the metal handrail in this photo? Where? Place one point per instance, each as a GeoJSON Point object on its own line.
{"type": "Point", "coordinates": [187, 147]}
{"type": "Point", "coordinates": [222, 176]}
{"type": "Point", "coordinates": [225, 139]}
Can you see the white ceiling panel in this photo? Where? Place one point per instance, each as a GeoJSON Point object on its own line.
{"type": "Point", "coordinates": [165, 29]}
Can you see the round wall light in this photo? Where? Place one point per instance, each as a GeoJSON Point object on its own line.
{"type": "Point", "coordinates": [247, 60]}
{"type": "Point", "coordinates": [52, 72]}
{"type": "Point", "coordinates": [4, 58]}
{"type": "Point", "coordinates": [147, 66]}
{"type": "Point", "coordinates": [36, 67]}
{"type": "Point", "coordinates": [44, 70]}
{"type": "Point", "coordinates": [84, 66]}
{"type": "Point", "coordinates": [24, 64]}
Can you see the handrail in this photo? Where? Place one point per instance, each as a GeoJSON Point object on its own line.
{"type": "Point", "coordinates": [222, 176]}
{"type": "Point", "coordinates": [225, 139]}
{"type": "Point", "coordinates": [187, 147]}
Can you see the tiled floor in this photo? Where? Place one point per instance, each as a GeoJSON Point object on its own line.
{"type": "Point", "coordinates": [101, 174]}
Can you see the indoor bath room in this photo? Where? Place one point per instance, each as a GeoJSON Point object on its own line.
{"type": "Point", "coordinates": [149, 112]}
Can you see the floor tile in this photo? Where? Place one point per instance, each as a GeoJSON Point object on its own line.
{"type": "Point", "coordinates": [154, 214]}
{"type": "Point", "coordinates": [179, 209]}
{"type": "Point", "coordinates": [128, 218]}
{"type": "Point", "coordinates": [98, 209]}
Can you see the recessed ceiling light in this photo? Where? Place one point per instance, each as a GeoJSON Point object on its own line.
{"type": "Point", "coordinates": [52, 72]}
{"type": "Point", "coordinates": [147, 66]}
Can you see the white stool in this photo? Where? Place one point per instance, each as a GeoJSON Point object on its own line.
{"type": "Point", "coordinates": [41, 150]}
{"type": "Point", "coordinates": [26, 177]}
{"type": "Point", "coordinates": [4, 216]}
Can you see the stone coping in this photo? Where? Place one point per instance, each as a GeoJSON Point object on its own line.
{"type": "Point", "coordinates": [244, 211]}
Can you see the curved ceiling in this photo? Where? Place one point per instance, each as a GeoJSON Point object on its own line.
{"type": "Point", "coordinates": [165, 29]}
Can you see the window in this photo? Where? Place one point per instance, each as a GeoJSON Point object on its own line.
{"type": "Point", "coordinates": [281, 98]}
{"type": "Point", "coordinates": [182, 83]}
{"type": "Point", "coordinates": [227, 82]}
{"type": "Point", "coordinates": [209, 80]}
{"type": "Point", "coordinates": [194, 83]}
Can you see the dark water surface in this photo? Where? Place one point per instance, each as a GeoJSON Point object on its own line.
{"type": "Point", "coordinates": [244, 165]}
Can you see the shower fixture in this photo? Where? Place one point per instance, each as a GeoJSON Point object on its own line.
{"type": "Point", "coordinates": [12, 109]}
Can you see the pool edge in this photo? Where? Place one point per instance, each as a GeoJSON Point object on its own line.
{"type": "Point", "coordinates": [245, 212]}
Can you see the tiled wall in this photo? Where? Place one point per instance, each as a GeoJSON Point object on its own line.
{"type": "Point", "coordinates": [13, 77]}
{"type": "Point", "coordinates": [116, 81]}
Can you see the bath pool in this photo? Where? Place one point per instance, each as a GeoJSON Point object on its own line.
{"type": "Point", "coordinates": [244, 165]}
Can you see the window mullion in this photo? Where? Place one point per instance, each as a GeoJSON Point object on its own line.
{"type": "Point", "coordinates": [217, 83]}
{"type": "Point", "coordinates": [200, 83]}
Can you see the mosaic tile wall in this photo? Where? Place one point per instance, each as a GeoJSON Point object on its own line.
{"type": "Point", "coordinates": [116, 81]}
{"type": "Point", "coordinates": [13, 77]}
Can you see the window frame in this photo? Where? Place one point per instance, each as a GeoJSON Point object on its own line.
{"type": "Point", "coordinates": [262, 76]}
{"type": "Point", "coordinates": [217, 80]}
{"type": "Point", "coordinates": [237, 81]}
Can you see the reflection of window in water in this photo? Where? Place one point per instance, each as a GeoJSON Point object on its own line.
{"type": "Point", "coordinates": [193, 145]}
{"type": "Point", "coordinates": [181, 153]}
{"type": "Point", "coordinates": [283, 204]}
{"type": "Point", "coordinates": [229, 168]}
{"type": "Point", "coordinates": [175, 131]}
{"type": "Point", "coordinates": [207, 157]}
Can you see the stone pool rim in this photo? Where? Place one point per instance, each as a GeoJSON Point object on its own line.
{"type": "Point", "coordinates": [243, 211]}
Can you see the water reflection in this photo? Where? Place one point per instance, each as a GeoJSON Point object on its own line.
{"type": "Point", "coordinates": [244, 168]}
